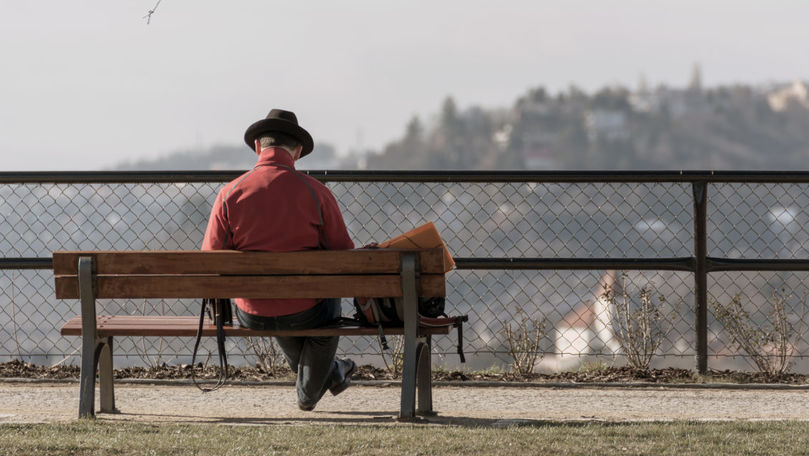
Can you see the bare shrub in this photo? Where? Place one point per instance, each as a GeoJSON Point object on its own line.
{"type": "Point", "coordinates": [771, 346]}
{"type": "Point", "coordinates": [523, 342]}
{"type": "Point", "coordinates": [395, 362]}
{"type": "Point", "coordinates": [270, 358]}
{"type": "Point", "coordinates": [637, 329]}
{"type": "Point", "coordinates": [156, 360]}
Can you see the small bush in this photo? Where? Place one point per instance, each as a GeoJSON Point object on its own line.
{"type": "Point", "coordinates": [770, 346]}
{"type": "Point", "coordinates": [523, 342]}
{"type": "Point", "coordinates": [270, 358]}
{"type": "Point", "coordinates": [637, 329]}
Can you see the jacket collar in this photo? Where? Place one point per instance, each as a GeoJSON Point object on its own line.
{"type": "Point", "coordinates": [275, 156]}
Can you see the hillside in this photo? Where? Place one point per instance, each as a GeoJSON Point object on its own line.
{"type": "Point", "coordinates": [733, 127]}
{"type": "Point", "coordinates": [736, 127]}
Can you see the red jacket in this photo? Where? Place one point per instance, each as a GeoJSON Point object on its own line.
{"type": "Point", "coordinates": [272, 208]}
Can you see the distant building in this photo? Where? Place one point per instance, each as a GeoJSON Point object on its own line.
{"type": "Point", "coordinates": [538, 157]}
{"type": "Point", "coordinates": [606, 124]}
{"type": "Point", "coordinates": [676, 102]}
{"type": "Point", "coordinates": [643, 101]}
{"type": "Point", "coordinates": [587, 329]}
{"type": "Point", "coordinates": [795, 93]}
{"type": "Point", "coordinates": [537, 148]}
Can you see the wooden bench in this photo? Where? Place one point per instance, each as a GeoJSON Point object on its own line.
{"type": "Point", "coordinates": [92, 275]}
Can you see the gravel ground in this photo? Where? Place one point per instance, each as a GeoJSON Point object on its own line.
{"type": "Point", "coordinates": [467, 405]}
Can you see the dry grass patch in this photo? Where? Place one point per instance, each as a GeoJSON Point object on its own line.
{"type": "Point", "coordinates": [675, 438]}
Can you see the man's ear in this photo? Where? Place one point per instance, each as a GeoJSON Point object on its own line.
{"type": "Point", "coordinates": [298, 151]}
{"type": "Point", "coordinates": [257, 146]}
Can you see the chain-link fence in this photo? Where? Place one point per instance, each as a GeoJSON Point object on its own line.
{"type": "Point", "coordinates": [502, 218]}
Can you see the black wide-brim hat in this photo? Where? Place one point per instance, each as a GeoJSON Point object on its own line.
{"type": "Point", "coordinates": [280, 121]}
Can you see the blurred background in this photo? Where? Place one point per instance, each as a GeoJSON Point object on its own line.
{"type": "Point", "coordinates": [409, 86]}
{"type": "Point", "coordinates": [630, 84]}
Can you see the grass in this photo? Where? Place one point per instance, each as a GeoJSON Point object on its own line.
{"type": "Point", "coordinates": [676, 438]}
{"type": "Point", "coordinates": [593, 367]}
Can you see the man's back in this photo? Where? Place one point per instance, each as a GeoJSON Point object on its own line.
{"type": "Point", "coordinates": [274, 208]}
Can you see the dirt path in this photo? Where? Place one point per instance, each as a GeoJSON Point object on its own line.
{"type": "Point", "coordinates": [54, 402]}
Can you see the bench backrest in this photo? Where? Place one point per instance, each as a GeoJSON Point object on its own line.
{"type": "Point", "coordinates": [229, 274]}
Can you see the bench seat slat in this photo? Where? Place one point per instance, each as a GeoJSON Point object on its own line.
{"type": "Point", "coordinates": [186, 326]}
{"type": "Point", "coordinates": [366, 261]}
{"type": "Point", "coordinates": [322, 286]}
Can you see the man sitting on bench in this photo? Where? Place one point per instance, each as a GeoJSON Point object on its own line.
{"type": "Point", "coordinates": [274, 208]}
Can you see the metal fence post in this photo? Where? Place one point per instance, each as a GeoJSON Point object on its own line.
{"type": "Point", "coordinates": [700, 190]}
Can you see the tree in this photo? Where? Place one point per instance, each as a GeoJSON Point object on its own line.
{"type": "Point", "coordinates": [695, 84]}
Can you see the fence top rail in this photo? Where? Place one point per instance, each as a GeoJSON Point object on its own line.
{"type": "Point", "coordinates": [561, 176]}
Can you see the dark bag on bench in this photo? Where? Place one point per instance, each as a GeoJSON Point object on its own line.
{"type": "Point", "coordinates": [389, 312]}
{"type": "Point", "coordinates": [219, 311]}
{"type": "Point", "coordinates": [381, 312]}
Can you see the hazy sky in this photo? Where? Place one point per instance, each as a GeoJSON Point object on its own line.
{"type": "Point", "coordinates": [87, 84]}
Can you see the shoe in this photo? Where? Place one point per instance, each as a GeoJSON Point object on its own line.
{"type": "Point", "coordinates": [345, 369]}
{"type": "Point", "coordinates": [304, 407]}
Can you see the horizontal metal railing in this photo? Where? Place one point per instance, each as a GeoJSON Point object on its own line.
{"type": "Point", "coordinates": [686, 176]}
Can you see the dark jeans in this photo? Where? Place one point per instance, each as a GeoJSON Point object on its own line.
{"type": "Point", "coordinates": [311, 357]}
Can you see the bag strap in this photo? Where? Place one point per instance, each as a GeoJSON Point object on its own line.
{"type": "Point", "coordinates": [218, 318]}
{"type": "Point", "coordinates": [456, 322]}
{"type": "Point", "coordinates": [377, 316]}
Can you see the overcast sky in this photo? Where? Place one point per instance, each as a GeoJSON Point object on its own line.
{"type": "Point", "coordinates": [87, 84]}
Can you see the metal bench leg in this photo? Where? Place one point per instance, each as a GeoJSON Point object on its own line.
{"type": "Point", "coordinates": [425, 378]}
{"type": "Point", "coordinates": [410, 303]}
{"type": "Point", "coordinates": [87, 382]}
{"type": "Point", "coordinates": [105, 377]}
{"type": "Point", "coordinates": [89, 345]}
